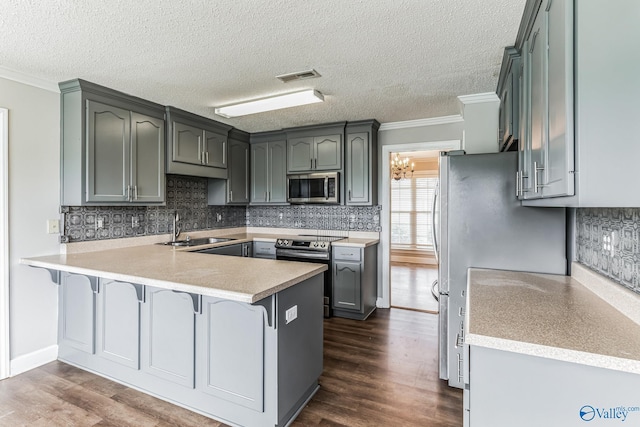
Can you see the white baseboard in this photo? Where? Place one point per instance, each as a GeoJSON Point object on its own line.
{"type": "Point", "coordinates": [32, 360]}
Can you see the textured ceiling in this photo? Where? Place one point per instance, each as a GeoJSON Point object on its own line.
{"type": "Point", "coordinates": [392, 60]}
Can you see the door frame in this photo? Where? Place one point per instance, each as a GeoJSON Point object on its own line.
{"type": "Point", "coordinates": [5, 354]}
{"type": "Point", "coordinates": [384, 300]}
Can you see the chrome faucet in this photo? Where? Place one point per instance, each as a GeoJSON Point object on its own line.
{"type": "Point", "coordinates": [176, 229]}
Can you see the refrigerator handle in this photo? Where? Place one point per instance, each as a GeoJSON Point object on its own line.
{"type": "Point", "coordinates": [434, 238]}
{"type": "Point", "coordinates": [433, 290]}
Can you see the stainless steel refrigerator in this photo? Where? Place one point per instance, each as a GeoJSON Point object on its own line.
{"type": "Point", "coordinates": [480, 223]}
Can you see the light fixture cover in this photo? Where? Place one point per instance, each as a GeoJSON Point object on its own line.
{"type": "Point", "coordinates": [271, 103]}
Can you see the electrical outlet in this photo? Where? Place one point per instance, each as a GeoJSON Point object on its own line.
{"type": "Point", "coordinates": [609, 240]}
{"type": "Point", "coordinates": [99, 222]}
{"type": "Point", "coordinates": [134, 221]}
{"type": "Point", "coordinates": [291, 314]}
{"type": "Point", "coordinates": [218, 217]}
{"type": "Point", "coordinates": [53, 226]}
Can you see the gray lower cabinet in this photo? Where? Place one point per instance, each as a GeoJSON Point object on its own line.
{"type": "Point", "coordinates": [77, 312]}
{"type": "Point", "coordinates": [264, 250]}
{"type": "Point", "coordinates": [268, 169]}
{"type": "Point", "coordinates": [196, 146]}
{"type": "Point", "coordinates": [237, 373]}
{"type": "Point", "coordinates": [361, 163]}
{"type": "Point", "coordinates": [238, 249]}
{"type": "Point", "coordinates": [242, 364]}
{"type": "Point", "coordinates": [118, 317]}
{"type": "Point", "coordinates": [168, 335]}
{"type": "Point", "coordinates": [508, 389]}
{"type": "Point", "coordinates": [113, 147]}
{"type": "Point", "coordinates": [355, 287]}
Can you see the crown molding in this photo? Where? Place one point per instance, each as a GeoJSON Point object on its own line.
{"type": "Point", "coordinates": [433, 121]}
{"type": "Point", "coordinates": [478, 98]}
{"type": "Point", "coordinates": [20, 77]}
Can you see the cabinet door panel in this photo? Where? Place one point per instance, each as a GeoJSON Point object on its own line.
{"type": "Point", "coordinates": [357, 169]}
{"type": "Point", "coordinates": [238, 172]}
{"type": "Point", "coordinates": [147, 158]}
{"type": "Point", "coordinates": [259, 172]}
{"type": "Point", "coordinates": [169, 335]}
{"type": "Point", "coordinates": [327, 152]}
{"type": "Point", "coordinates": [346, 287]}
{"type": "Point", "coordinates": [233, 352]}
{"type": "Point", "coordinates": [559, 160]}
{"type": "Point", "coordinates": [187, 144]}
{"type": "Point", "coordinates": [277, 172]}
{"type": "Point", "coordinates": [301, 154]}
{"type": "Point", "coordinates": [77, 311]}
{"type": "Point", "coordinates": [538, 101]}
{"type": "Point", "coordinates": [215, 150]}
{"type": "Point", "coordinates": [108, 150]}
{"type": "Point", "coordinates": [119, 313]}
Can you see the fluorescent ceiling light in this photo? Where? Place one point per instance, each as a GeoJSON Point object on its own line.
{"type": "Point", "coordinates": [294, 99]}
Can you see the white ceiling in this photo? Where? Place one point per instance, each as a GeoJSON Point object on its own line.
{"type": "Point", "coordinates": [392, 60]}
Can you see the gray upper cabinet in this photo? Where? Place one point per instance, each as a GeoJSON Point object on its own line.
{"type": "Point", "coordinates": [509, 92]}
{"type": "Point", "coordinates": [268, 168]}
{"type": "Point", "coordinates": [113, 147]}
{"type": "Point", "coordinates": [315, 148]}
{"type": "Point", "coordinates": [196, 146]}
{"type": "Point", "coordinates": [361, 163]}
{"type": "Point", "coordinates": [315, 153]}
{"type": "Point", "coordinates": [579, 103]}
{"type": "Point", "coordinates": [234, 190]}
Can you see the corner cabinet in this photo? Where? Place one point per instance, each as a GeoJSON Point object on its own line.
{"type": "Point", "coordinates": [196, 146]}
{"type": "Point", "coordinates": [112, 147]}
{"type": "Point", "coordinates": [355, 287]}
{"type": "Point", "coordinates": [235, 189]}
{"type": "Point", "coordinates": [315, 148]}
{"type": "Point", "coordinates": [361, 163]}
{"type": "Point", "coordinates": [268, 168]}
{"type": "Point", "coordinates": [579, 102]}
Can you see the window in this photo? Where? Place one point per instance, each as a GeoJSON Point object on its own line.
{"type": "Point", "coordinates": [411, 205]}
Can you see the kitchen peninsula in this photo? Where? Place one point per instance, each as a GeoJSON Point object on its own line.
{"type": "Point", "coordinates": [236, 339]}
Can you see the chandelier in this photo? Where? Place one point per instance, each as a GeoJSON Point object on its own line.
{"type": "Point", "coordinates": [400, 168]}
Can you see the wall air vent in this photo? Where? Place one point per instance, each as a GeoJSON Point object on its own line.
{"type": "Point", "coordinates": [300, 75]}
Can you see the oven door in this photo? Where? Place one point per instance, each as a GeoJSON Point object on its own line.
{"type": "Point", "coordinates": [313, 257]}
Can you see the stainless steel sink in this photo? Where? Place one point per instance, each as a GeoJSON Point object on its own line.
{"type": "Point", "coordinates": [198, 242]}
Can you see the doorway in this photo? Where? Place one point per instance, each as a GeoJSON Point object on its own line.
{"type": "Point", "coordinates": [414, 180]}
{"type": "Point", "coordinates": [384, 300]}
{"type": "Point", "coordinates": [4, 244]}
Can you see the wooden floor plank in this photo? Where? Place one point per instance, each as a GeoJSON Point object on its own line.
{"type": "Point", "coordinates": [378, 372]}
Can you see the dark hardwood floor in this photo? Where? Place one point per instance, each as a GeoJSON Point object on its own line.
{"type": "Point", "coordinates": [381, 372]}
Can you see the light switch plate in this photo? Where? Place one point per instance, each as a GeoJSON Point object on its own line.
{"type": "Point", "coordinates": [291, 314]}
{"type": "Point", "coordinates": [53, 226]}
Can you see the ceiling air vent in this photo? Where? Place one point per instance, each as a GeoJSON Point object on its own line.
{"type": "Point", "coordinates": [300, 75]}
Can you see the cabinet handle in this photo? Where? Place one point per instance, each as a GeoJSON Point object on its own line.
{"type": "Point", "coordinates": [265, 196]}
{"type": "Point", "coordinates": [548, 6]}
{"type": "Point", "coordinates": [135, 192]}
{"type": "Point", "coordinates": [349, 195]}
{"type": "Point", "coordinates": [206, 156]}
{"type": "Point", "coordinates": [517, 184]}
{"type": "Point", "coordinates": [128, 193]}
{"type": "Point", "coordinates": [311, 165]}
{"type": "Point", "coordinates": [536, 169]}
{"type": "Point", "coordinates": [231, 195]}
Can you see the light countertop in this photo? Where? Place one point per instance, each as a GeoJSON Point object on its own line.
{"type": "Point", "coordinates": [234, 278]}
{"type": "Point", "coordinates": [552, 316]}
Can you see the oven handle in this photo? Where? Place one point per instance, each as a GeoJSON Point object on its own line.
{"type": "Point", "coordinates": [293, 253]}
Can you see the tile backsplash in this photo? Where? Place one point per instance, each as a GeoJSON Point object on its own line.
{"type": "Point", "coordinates": [594, 227]}
{"type": "Point", "coordinates": [188, 195]}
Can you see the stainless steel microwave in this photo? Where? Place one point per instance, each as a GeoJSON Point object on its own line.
{"type": "Point", "coordinates": [313, 188]}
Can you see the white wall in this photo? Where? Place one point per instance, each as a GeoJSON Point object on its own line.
{"type": "Point", "coordinates": [34, 194]}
